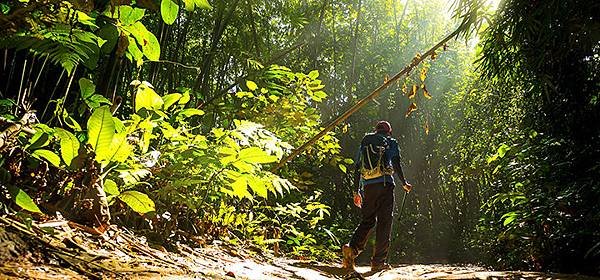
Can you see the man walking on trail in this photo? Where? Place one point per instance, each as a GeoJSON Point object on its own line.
{"type": "Point", "coordinates": [378, 160]}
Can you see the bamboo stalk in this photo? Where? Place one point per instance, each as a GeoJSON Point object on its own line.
{"type": "Point", "coordinates": [20, 88]}
{"type": "Point", "coordinates": [40, 73]}
{"type": "Point", "coordinates": [416, 61]}
{"type": "Point", "coordinates": [62, 73]}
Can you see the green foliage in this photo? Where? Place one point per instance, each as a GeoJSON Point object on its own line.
{"type": "Point", "coordinates": [169, 11]}
{"type": "Point", "coordinates": [23, 200]}
{"type": "Point", "coordinates": [69, 145]}
{"type": "Point", "coordinates": [138, 201]}
{"type": "Point", "coordinates": [60, 44]}
{"type": "Point", "coordinates": [147, 98]}
{"type": "Point", "coordinates": [201, 4]}
{"type": "Point", "coordinates": [101, 130]}
{"type": "Point", "coordinates": [50, 156]}
{"type": "Point", "coordinates": [70, 34]}
{"type": "Point", "coordinates": [87, 93]}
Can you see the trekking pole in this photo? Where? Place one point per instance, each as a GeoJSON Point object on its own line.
{"type": "Point", "coordinates": [402, 207]}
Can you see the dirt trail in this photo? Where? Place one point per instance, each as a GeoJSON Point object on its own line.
{"type": "Point", "coordinates": [68, 253]}
{"type": "Point", "coordinates": [279, 268]}
{"type": "Point", "coordinates": [216, 262]}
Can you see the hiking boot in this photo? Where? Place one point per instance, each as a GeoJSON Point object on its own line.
{"type": "Point", "coordinates": [349, 255]}
{"type": "Point", "coordinates": [380, 266]}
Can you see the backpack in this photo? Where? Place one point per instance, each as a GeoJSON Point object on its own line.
{"type": "Point", "coordinates": [373, 156]}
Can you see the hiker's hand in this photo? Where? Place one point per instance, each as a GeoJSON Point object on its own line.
{"type": "Point", "coordinates": [407, 187]}
{"type": "Point", "coordinates": [357, 200]}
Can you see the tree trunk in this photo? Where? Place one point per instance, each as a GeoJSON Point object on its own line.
{"type": "Point", "coordinates": [223, 18]}
{"type": "Point", "coordinates": [317, 43]}
{"type": "Point", "coordinates": [352, 77]}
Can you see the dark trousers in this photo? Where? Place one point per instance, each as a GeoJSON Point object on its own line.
{"type": "Point", "coordinates": [377, 208]}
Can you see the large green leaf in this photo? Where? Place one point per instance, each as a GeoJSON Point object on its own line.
{"type": "Point", "coordinates": [101, 129]}
{"type": "Point", "coordinates": [149, 43]}
{"type": "Point", "coordinates": [189, 5]}
{"type": "Point", "coordinates": [186, 113]}
{"type": "Point", "coordinates": [240, 187]}
{"type": "Point", "coordinates": [69, 145]}
{"type": "Point", "coordinates": [203, 4]}
{"type": "Point", "coordinates": [110, 187]}
{"type": "Point", "coordinates": [39, 140]}
{"type": "Point", "coordinates": [169, 11]}
{"type": "Point", "coordinates": [170, 99]}
{"type": "Point", "coordinates": [258, 186]}
{"type": "Point", "coordinates": [134, 51]}
{"type": "Point", "coordinates": [152, 48]}
{"type": "Point", "coordinates": [185, 98]}
{"type": "Point", "coordinates": [256, 155]}
{"type": "Point", "coordinates": [139, 202]}
{"type": "Point", "coordinates": [145, 38]}
{"type": "Point", "coordinates": [23, 200]}
{"type": "Point", "coordinates": [50, 156]}
{"type": "Point", "coordinates": [147, 98]}
{"type": "Point", "coordinates": [119, 149]}
{"type": "Point", "coordinates": [86, 87]}
{"type": "Point", "coordinates": [127, 15]}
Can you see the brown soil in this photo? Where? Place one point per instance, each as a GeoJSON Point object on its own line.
{"type": "Point", "coordinates": [32, 253]}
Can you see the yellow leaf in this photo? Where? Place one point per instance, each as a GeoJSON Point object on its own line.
{"type": "Point", "coordinates": [426, 93]}
{"type": "Point", "coordinates": [257, 185]}
{"type": "Point", "coordinates": [386, 78]}
{"type": "Point", "coordinates": [404, 89]}
{"type": "Point", "coordinates": [427, 127]}
{"type": "Point", "coordinates": [423, 74]}
{"type": "Point", "coordinates": [433, 56]}
{"type": "Point", "coordinates": [251, 85]}
{"type": "Point", "coordinates": [411, 108]}
{"type": "Point", "coordinates": [413, 92]}
{"type": "Point", "coordinates": [240, 188]}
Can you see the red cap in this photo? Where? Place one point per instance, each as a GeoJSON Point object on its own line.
{"type": "Point", "coordinates": [383, 126]}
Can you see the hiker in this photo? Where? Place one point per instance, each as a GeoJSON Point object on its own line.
{"type": "Point", "coordinates": [378, 160]}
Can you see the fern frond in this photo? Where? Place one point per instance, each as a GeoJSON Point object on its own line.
{"type": "Point", "coordinates": [64, 46]}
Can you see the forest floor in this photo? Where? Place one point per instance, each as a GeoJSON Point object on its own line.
{"type": "Point", "coordinates": [54, 250]}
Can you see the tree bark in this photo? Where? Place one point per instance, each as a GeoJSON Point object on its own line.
{"type": "Point", "coordinates": [352, 77]}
